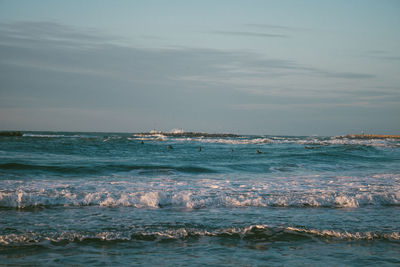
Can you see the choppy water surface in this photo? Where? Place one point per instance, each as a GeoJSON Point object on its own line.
{"type": "Point", "coordinates": [97, 198]}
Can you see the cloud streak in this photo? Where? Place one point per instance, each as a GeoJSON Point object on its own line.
{"type": "Point", "coordinates": [382, 55]}
{"type": "Point", "coordinates": [271, 26]}
{"type": "Point", "coordinates": [250, 34]}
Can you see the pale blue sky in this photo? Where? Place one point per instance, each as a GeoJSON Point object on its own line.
{"type": "Point", "coordinates": [250, 67]}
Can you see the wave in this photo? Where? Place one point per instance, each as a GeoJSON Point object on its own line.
{"type": "Point", "coordinates": [53, 135]}
{"type": "Point", "coordinates": [181, 133]}
{"type": "Point", "coordinates": [178, 135]}
{"type": "Point", "coordinates": [116, 194]}
{"type": "Point", "coordinates": [237, 141]}
{"type": "Point", "coordinates": [101, 168]}
{"type": "Point", "coordinates": [311, 142]}
{"type": "Point", "coordinates": [44, 135]}
{"type": "Point", "coordinates": [151, 137]}
{"type": "Point", "coordinates": [318, 142]}
{"type": "Point", "coordinates": [252, 233]}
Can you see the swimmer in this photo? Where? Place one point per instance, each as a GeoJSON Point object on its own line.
{"type": "Point", "coordinates": [258, 151]}
{"type": "Point", "coordinates": [311, 147]}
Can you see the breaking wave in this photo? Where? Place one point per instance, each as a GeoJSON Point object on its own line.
{"type": "Point", "coordinates": [178, 135]}
{"type": "Point", "coordinates": [247, 140]}
{"type": "Point", "coordinates": [252, 233]}
{"type": "Point", "coordinates": [300, 141]}
{"type": "Point", "coordinates": [55, 135]}
{"type": "Point", "coordinates": [193, 195]}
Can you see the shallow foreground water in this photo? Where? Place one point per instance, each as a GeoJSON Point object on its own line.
{"type": "Point", "coordinates": [109, 199]}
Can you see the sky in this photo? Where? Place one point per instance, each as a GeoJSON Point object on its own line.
{"type": "Point", "coordinates": [314, 67]}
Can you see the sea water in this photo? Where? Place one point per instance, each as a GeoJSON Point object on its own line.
{"type": "Point", "coordinates": [157, 200]}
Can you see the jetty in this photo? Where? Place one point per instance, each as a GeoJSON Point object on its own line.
{"type": "Point", "coordinates": [10, 133]}
{"type": "Point", "coordinates": [372, 136]}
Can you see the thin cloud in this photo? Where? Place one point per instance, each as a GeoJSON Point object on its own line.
{"type": "Point", "coordinates": [271, 26]}
{"type": "Point", "coordinates": [36, 33]}
{"type": "Point", "coordinates": [309, 105]}
{"type": "Point", "coordinates": [349, 75]}
{"type": "Point", "coordinates": [251, 34]}
{"type": "Point", "coordinates": [382, 55]}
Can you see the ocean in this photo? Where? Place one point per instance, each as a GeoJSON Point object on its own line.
{"type": "Point", "coordinates": [152, 199]}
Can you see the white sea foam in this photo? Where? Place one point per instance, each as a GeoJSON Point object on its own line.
{"type": "Point", "coordinates": [245, 232]}
{"type": "Point", "coordinates": [366, 142]}
{"type": "Point", "coordinates": [151, 137]}
{"type": "Point", "coordinates": [346, 235]}
{"type": "Point", "coordinates": [44, 135]}
{"type": "Point", "coordinates": [55, 135]}
{"type": "Point", "coordinates": [311, 141]}
{"type": "Point", "coordinates": [155, 135]}
{"type": "Point", "coordinates": [312, 191]}
{"type": "Point", "coordinates": [336, 140]}
{"type": "Point", "coordinates": [236, 141]}
{"type": "Point", "coordinates": [112, 138]}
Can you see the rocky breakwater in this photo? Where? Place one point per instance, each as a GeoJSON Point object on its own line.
{"type": "Point", "coordinates": [10, 133]}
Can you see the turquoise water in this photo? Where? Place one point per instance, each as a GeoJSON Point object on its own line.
{"type": "Point", "coordinates": [108, 199]}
